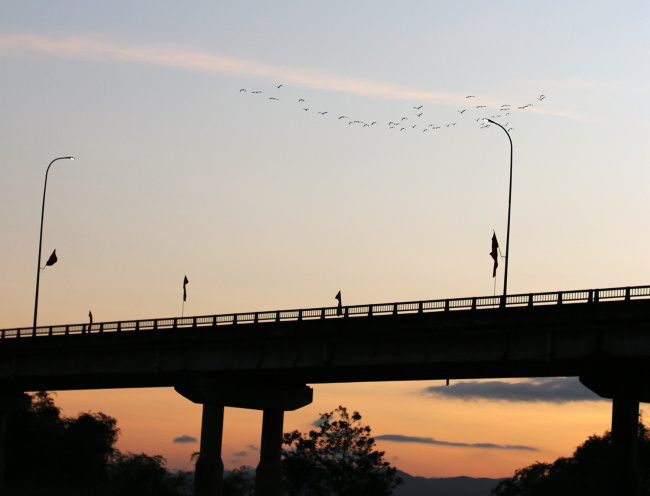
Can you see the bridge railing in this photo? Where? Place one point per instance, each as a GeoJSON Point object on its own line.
{"type": "Point", "coordinates": [424, 306]}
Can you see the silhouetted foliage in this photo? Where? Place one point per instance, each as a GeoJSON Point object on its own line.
{"type": "Point", "coordinates": [49, 454]}
{"type": "Point", "coordinates": [144, 475]}
{"type": "Point", "coordinates": [89, 447]}
{"type": "Point", "coordinates": [239, 482]}
{"type": "Point", "coordinates": [587, 472]}
{"type": "Point", "coordinates": [336, 459]}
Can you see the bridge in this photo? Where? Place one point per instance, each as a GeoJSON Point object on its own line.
{"type": "Point", "coordinates": [265, 360]}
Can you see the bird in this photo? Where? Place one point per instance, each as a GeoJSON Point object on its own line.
{"type": "Point", "coordinates": [322, 113]}
{"type": "Point", "coordinates": [305, 109]}
{"type": "Point", "coordinates": [470, 96]}
{"type": "Point", "coordinates": [366, 125]}
{"type": "Point", "coordinates": [256, 92]}
{"type": "Point", "coordinates": [480, 106]}
{"type": "Point", "coordinates": [301, 100]}
{"type": "Point", "coordinates": [413, 126]}
{"type": "Point", "coordinates": [418, 108]}
{"type": "Point", "coordinates": [511, 129]}
{"type": "Point", "coordinates": [243, 89]}
{"type": "Point", "coordinates": [273, 98]}
{"type": "Point", "coordinates": [405, 118]}
{"type": "Point", "coordinates": [461, 111]}
{"type": "Point", "coordinates": [343, 117]}
{"type": "Point", "coordinates": [373, 123]}
{"type": "Point", "coordinates": [541, 97]}
{"type": "Point", "coordinates": [279, 86]}
{"type": "Point", "coordinates": [419, 115]}
{"type": "Point", "coordinates": [528, 105]}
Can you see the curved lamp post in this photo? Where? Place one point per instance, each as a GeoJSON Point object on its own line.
{"type": "Point", "coordinates": [40, 241]}
{"type": "Point", "coordinates": [505, 276]}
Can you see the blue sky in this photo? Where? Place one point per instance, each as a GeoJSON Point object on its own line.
{"type": "Point", "coordinates": [264, 205]}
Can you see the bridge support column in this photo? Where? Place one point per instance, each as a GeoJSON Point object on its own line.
{"type": "Point", "coordinates": [625, 429]}
{"type": "Point", "coordinates": [270, 397]}
{"type": "Point", "coordinates": [626, 386]}
{"type": "Point", "coordinates": [268, 478]}
{"type": "Point", "coordinates": [208, 472]}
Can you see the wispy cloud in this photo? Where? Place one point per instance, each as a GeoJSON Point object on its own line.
{"type": "Point", "coordinates": [551, 390]}
{"type": "Point", "coordinates": [237, 456]}
{"type": "Point", "coordinates": [185, 439]}
{"type": "Point", "coordinates": [398, 438]}
{"type": "Point", "coordinates": [87, 48]}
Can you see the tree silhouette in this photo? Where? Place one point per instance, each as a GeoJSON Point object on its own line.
{"type": "Point", "coordinates": [587, 472]}
{"type": "Point", "coordinates": [50, 454]}
{"type": "Point", "coordinates": [89, 446]}
{"type": "Point", "coordinates": [336, 459]}
{"type": "Point", "coordinates": [144, 475]}
{"type": "Point", "coordinates": [239, 482]}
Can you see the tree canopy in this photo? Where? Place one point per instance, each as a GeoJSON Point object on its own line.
{"type": "Point", "coordinates": [338, 458]}
{"type": "Point", "coordinates": [47, 453]}
{"type": "Point", "coordinates": [587, 472]}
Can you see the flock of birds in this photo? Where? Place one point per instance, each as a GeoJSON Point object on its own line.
{"type": "Point", "coordinates": [413, 120]}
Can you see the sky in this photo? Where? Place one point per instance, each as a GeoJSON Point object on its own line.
{"type": "Point", "coordinates": [278, 152]}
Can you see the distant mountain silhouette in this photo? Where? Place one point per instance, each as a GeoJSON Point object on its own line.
{"type": "Point", "coordinates": [445, 486]}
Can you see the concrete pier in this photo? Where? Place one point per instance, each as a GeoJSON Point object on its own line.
{"type": "Point", "coordinates": [268, 480]}
{"type": "Point", "coordinates": [272, 398]}
{"type": "Point", "coordinates": [208, 473]}
{"type": "Point", "coordinates": [625, 429]}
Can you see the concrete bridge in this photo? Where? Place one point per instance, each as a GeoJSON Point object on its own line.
{"type": "Point", "coordinates": [265, 360]}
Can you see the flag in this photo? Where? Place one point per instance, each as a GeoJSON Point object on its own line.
{"type": "Point", "coordinates": [494, 253]}
{"type": "Point", "coordinates": [339, 308]}
{"type": "Point", "coordinates": [52, 260]}
{"type": "Point", "coordinates": [185, 281]}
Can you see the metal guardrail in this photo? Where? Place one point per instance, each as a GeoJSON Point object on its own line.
{"type": "Point", "coordinates": [474, 303]}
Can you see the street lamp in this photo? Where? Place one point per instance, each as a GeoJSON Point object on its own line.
{"type": "Point", "coordinates": [505, 276]}
{"type": "Point", "coordinates": [40, 242]}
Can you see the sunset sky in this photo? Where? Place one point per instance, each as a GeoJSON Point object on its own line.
{"type": "Point", "coordinates": [278, 152]}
